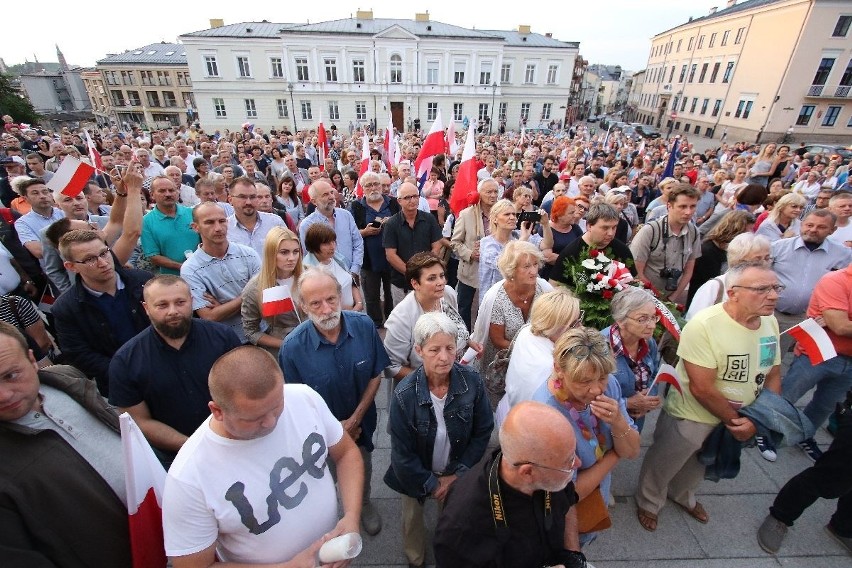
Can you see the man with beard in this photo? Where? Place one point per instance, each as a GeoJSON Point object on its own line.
{"type": "Point", "coordinates": [160, 376]}
{"type": "Point", "coordinates": [248, 226]}
{"type": "Point", "coordinates": [102, 311]}
{"type": "Point", "coordinates": [341, 356]}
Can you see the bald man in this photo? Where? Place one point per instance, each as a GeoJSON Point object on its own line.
{"type": "Point", "coordinates": [252, 483]}
{"type": "Point", "coordinates": [497, 514]}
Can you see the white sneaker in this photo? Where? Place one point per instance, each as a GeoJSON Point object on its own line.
{"type": "Point", "coordinates": [765, 448]}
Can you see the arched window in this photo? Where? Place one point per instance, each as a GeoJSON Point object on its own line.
{"type": "Point", "coordinates": [395, 68]}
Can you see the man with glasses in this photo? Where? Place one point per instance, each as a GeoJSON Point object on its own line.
{"type": "Point", "coordinates": [248, 226]}
{"type": "Point", "coordinates": [728, 355]}
{"type": "Point", "coordinates": [515, 507]}
{"type": "Point", "coordinates": [102, 311]}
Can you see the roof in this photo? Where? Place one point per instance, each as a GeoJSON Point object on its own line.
{"type": "Point", "coordinates": [740, 7]}
{"type": "Point", "coordinates": [159, 53]}
{"type": "Point", "coordinates": [607, 72]}
{"type": "Point", "coordinates": [515, 39]}
{"type": "Point", "coordinates": [264, 29]}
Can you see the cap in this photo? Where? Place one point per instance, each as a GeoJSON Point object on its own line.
{"type": "Point", "coordinates": [621, 189]}
{"type": "Point", "coordinates": [564, 176]}
{"type": "Point", "coordinates": [10, 160]}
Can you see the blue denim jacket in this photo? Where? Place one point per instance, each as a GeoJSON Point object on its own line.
{"type": "Point", "coordinates": [627, 379]}
{"type": "Point", "coordinates": [413, 427]}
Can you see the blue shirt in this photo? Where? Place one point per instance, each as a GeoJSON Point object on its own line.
{"type": "Point", "coordinates": [350, 244]}
{"type": "Point", "coordinates": [339, 372]}
{"type": "Point", "coordinates": [799, 269]}
{"type": "Point", "coordinates": [30, 225]}
{"type": "Point", "coordinates": [373, 244]}
{"type": "Point", "coordinates": [169, 236]}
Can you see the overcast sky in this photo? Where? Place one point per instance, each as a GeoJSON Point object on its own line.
{"type": "Point", "coordinates": [613, 32]}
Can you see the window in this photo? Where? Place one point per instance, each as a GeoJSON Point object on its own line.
{"type": "Point", "coordinates": [307, 113]}
{"type": "Point", "coordinates": [163, 78]}
{"type": "Point", "coordinates": [545, 111]}
{"type": "Point", "coordinates": [689, 45]}
{"type": "Point", "coordinates": [360, 110]}
{"type": "Point", "coordinates": [822, 72]}
{"type": "Point", "coordinates": [133, 98]}
{"type": "Point", "coordinates": [219, 107]}
{"type": "Point", "coordinates": [458, 73]}
{"type": "Point", "coordinates": [703, 72]}
{"type": "Point", "coordinates": [842, 27]}
{"type": "Point", "coordinates": [506, 73]}
{"type": "Point", "coordinates": [680, 41]}
{"type": "Point", "coordinates": [717, 106]}
{"type": "Point", "coordinates": [483, 111]}
{"type": "Point", "coordinates": [110, 78]}
{"type": "Point", "coordinates": [153, 98]}
{"type": "Point", "coordinates": [169, 99]}
{"type": "Point", "coordinates": [396, 68]}
{"type": "Point", "coordinates": [147, 77]}
{"type": "Point", "coordinates": [127, 78]}
{"type": "Point", "coordinates": [671, 74]}
{"type": "Point", "coordinates": [682, 74]}
{"type": "Point", "coordinates": [552, 73]}
{"type": "Point", "coordinates": [358, 70]}
{"type": "Point", "coordinates": [697, 129]}
{"type": "Point", "coordinates": [831, 115]}
{"type": "Point", "coordinates": [333, 110]}
{"type": "Point", "coordinates": [243, 67]}
{"type": "Point", "coordinates": [432, 68]}
{"type": "Point", "coordinates": [739, 112]}
{"type": "Point", "coordinates": [712, 39]}
{"type": "Point", "coordinates": [212, 67]}
{"type": "Point", "coordinates": [431, 111]}
{"type": "Point", "coordinates": [692, 71]}
{"type": "Point", "coordinates": [251, 109]}
{"type": "Point", "coordinates": [704, 106]}
{"type": "Point", "coordinates": [715, 72]}
{"type": "Point", "coordinates": [700, 42]}
{"type": "Point", "coordinates": [283, 111]}
{"type": "Point", "coordinates": [302, 69]}
{"type": "Point", "coordinates": [725, 37]}
{"type": "Point", "coordinates": [183, 79]}
{"type": "Point", "coordinates": [729, 70]}
{"type": "Point", "coordinates": [330, 69]}
{"type": "Point", "coordinates": [276, 68]}
{"type": "Point", "coordinates": [502, 111]}
{"type": "Point", "coordinates": [805, 115]}
{"type": "Point", "coordinates": [693, 105]}
{"type": "Point", "coordinates": [458, 112]}
{"type": "Point", "coordinates": [846, 79]}
{"type": "Point", "coordinates": [683, 102]}
{"type": "Point", "coordinates": [743, 109]}
{"type": "Point", "coordinates": [739, 39]}
{"type": "Point", "coordinates": [485, 73]}
{"type": "Point", "coordinates": [529, 73]}
{"type": "Point", "coordinates": [525, 111]}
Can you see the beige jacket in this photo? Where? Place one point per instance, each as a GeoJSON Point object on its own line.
{"type": "Point", "coordinates": [467, 231]}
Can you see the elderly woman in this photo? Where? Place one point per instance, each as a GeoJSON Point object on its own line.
{"type": "Point", "coordinates": [637, 359]}
{"type": "Point", "coordinates": [563, 216]}
{"type": "Point", "coordinates": [582, 387]}
{"type": "Point", "coordinates": [440, 424]}
{"type": "Point", "coordinates": [553, 313]}
{"type": "Point", "coordinates": [783, 220]}
{"type": "Point", "coordinates": [522, 198]}
{"type": "Point", "coordinates": [321, 244]}
{"type": "Point", "coordinates": [619, 200]}
{"type": "Point", "coordinates": [425, 272]}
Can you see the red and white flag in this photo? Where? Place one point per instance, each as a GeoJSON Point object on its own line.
{"type": "Point", "coordinates": [814, 341]}
{"type": "Point", "coordinates": [464, 191]}
{"type": "Point", "coordinates": [667, 319]}
{"type": "Point", "coordinates": [452, 143]}
{"type": "Point", "coordinates": [276, 301]}
{"type": "Point", "coordinates": [667, 374]}
{"type": "Point", "coordinates": [365, 164]}
{"type": "Point", "coordinates": [390, 145]}
{"type": "Point", "coordinates": [71, 177]}
{"type": "Point", "coordinates": [322, 145]}
{"type": "Point", "coordinates": [145, 480]}
{"type": "Point", "coordinates": [94, 155]}
{"type": "Point", "coordinates": [433, 145]}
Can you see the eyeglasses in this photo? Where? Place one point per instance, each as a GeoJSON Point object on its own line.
{"type": "Point", "coordinates": [584, 350]}
{"type": "Point", "coordinates": [93, 260]}
{"type": "Point", "coordinates": [371, 184]}
{"type": "Point", "coordinates": [407, 197]}
{"type": "Point", "coordinates": [579, 321]}
{"type": "Point", "coordinates": [763, 290]}
{"type": "Point", "coordinates": [569, 471]}
{"type": "Point", "coordinates": [245, 197]}
{"type": "Point", "coordinates": [646, 319]}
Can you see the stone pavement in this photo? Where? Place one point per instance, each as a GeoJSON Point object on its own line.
{"type": "Point", "coordinates": [736, 508]}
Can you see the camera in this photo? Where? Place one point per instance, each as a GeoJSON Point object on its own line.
{"type": "Point", "coordinates": [528, 217]}
{"type": "Point", "coordinates": [672, 275]}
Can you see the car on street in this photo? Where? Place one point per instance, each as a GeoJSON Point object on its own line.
{"type": "Point", "coordinates": [647, 131]}
{"type": "Point", "coordinates": [844, 152]}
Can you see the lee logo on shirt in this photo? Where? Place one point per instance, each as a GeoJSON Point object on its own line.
{"type": "Point", "coordinates": [736, 369]}
{"type": "Point", "coordinates": [312, 451]}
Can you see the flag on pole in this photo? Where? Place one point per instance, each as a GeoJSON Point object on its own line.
{"type": "Point", "coordinates": [667, 319]}
{"type": "Point", "coordinates": [452, 143]}
{"type": "Point", "coordinates": [145, 480]}
{"type": "Point", "coordinates": [94, 155]}
{"type": "Point", "coordinates": [390, 145]}
{"type": "Point", "coordinates": [667, 374]}
{"type": "Point", "coordinates": [814, 341]}
{"type": "Point", "coordinates": [464, 191]}
{"type": "Point", "coordinates": [365, 163]}
{"type": "Point", "coordinates": [322, 143]}
{"type": "Point", "coordinates": [276, 301]}
{"type": "Point", "coordinates": [606, 138]}
{"type": "Point", "coordinates": [433, 145]}
{"type": "Point", "coordinates": [71, 177]}
{"type": "Point", "coordinates": [523, 134]}
{"type": "Point", "coordinates": [673, 156]}
{"type": "Point", "coordinates": [397, 152]}
{"type": "Point", "coordinates": [642, 148]}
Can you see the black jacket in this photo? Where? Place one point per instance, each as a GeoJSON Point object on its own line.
{"type": "Point", "coordinates": [83, 331]}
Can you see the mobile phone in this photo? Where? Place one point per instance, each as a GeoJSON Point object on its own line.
{"type": "Point", "coordinates": [120, 168]}
{"type": "Point", "coordinates": [376, 224]}
{"type": "Point", "coordinates": [529, 216]}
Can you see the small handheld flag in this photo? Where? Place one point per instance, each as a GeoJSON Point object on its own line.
{"type": "Point", "coordinates": [276, 301]}
{"type": "Point", "coordinates": [71, 177]}
{"type": "Point", "coordinates": [667, 374]}
{"type": "Point", "coordinates": [814, 341]}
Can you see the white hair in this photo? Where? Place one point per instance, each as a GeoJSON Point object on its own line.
{"type": "Point", "coordinates": [431, 324]}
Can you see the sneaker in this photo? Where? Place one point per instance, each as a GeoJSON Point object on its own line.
{"type": "Point", "coordinates": [771, 534]}
{"type": "Point", "coordinates": [765, 448]}
{"type": "Point", "coordinates": [811, 449]}
{"type": "Point", "coordinates": [844, 540]}
{"type": "Point", "coordinates": [370, 519]}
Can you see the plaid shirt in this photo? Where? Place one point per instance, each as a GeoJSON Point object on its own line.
{"type": "Point", "coordinates": [641, 371]}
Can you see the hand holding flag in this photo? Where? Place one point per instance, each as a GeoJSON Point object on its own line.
{"type": "Point", "coordinates": [276, 301]}
{"type": "Point", "coordinates": [667, 374]}
{"type": "Point", "coordinates": [71, 177]}
{"type": "Point", "coordinates": [814, 341]}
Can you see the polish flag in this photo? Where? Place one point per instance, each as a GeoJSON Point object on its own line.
{"type": "Point", "coordinates": [397, 152]}
{"type": "Point", "coordinates": [433, 145]}
{"type": "Point", "coordinates": [71, 177]}
{"type": "Point", "coordinates": [464, 191]}
{"type": "Point", "coordinates": [452, 143]}
{"type": "Point", "coordinates": [322, 145]}
{"type": "Point", "coordinates": [277, 301]}
{"type": "Point", "coordinates": [390, 145]}
{"type": "Point", "coordinates": [145, 479]}
{"type": "Point", "coordinates": [667, 374]}
{"type": "Point", "coordinates": [814, 341]}
{"type": "Point", "coordinates": [94, 155]}
{"type": "Point", "coordinates": [667, 319]}
{"type": "Point", "coordinates": [365, 164]}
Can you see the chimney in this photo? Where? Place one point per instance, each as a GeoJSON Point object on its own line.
{"type": "Point", "coordinates": [216, 22]}
{"type": "Point", "coordinates": [713, 10]}
{"type": "Point", "coordinates": [421, 17]}
{"type": "Point", "coordinates": [524, 29]}
{"type": "Point", "coordinates": [364, 15]}
{"type": "Point", "coordinates": [548, 34]}
{"type": "Point", "coordinates": [730, 3]}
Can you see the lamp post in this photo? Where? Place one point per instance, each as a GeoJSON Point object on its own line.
{"type": "Point", "coordinates": [293, 104]}
{"type": "Point", "coordinates": [493, 94]}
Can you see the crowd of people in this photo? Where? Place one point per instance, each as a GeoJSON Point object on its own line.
{"type": "Point", "coordinates": [512, 397]}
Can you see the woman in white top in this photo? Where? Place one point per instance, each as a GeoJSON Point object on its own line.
{"type": "Point", "coordinates": [783, 220]}
{"type": "Point", "coordinates": [321, 244]}
{"type": "Point", "coordinates": [727, 195]}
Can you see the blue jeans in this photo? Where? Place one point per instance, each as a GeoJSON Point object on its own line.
{"type": "Point", "coordinates": [465, 295]}
{"type": "Point", "coordinates": [832, 379]}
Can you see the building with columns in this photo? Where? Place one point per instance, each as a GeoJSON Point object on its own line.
{"type": "Point", "coordinates": [363, 69]}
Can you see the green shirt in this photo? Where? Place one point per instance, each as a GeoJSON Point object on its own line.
{"type": "Point", "coordinates": [169, 236]}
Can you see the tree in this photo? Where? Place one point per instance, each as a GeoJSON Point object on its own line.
{"type": "Point", "coordinates": [13, 104]}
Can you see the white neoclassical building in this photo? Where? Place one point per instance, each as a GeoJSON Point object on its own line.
{"type": "Point", "coordinates": [363, 69]}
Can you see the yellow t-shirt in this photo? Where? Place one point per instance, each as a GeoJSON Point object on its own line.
{"type": "Point", "coordinates": [742, 358]}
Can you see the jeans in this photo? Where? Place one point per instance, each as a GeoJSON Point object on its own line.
{"type": "Point", "coordinates": [832, 379]}
{"type": "Point", "coordinates": [374, 284]}
{"type": "Point", "coordinates": [465, 295]}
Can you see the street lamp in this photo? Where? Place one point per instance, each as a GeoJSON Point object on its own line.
{"type": "Point", "coordinates": [293, 105]}
{"type": "Point", "coordinates": [493, 94]}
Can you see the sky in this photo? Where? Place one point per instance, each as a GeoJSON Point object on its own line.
{"type": "Point", "coordinates": [612, 32]}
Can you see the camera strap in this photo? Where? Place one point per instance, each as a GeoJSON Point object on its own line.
{"type": "Point", "coordinates": [665, 222]}
{"type": "Point", "coordinates": [498, 510]}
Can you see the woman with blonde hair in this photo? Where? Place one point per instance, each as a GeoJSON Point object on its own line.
{"type": "Point", "coordinates": [281, 265]}
{"type": "Point", "coordinates": [783, 220]}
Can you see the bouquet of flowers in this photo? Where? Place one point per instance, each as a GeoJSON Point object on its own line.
{"type": "Point", "coordinates": [597, 276]}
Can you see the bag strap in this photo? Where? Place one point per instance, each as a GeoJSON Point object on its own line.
{"type": "Point", "coordinates": [721, 291]}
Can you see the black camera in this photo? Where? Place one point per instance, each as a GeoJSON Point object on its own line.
{"type": "Point", "coordinates": [672, 275]}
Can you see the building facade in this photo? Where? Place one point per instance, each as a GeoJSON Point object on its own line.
{"type": "Point", "coordinates": [760, 70]}
{"type": "Point", "coordinates": [364, 70]}
{"type": "Point", "coordinates": [56, 92]}
{"type": "Point", "coordinates": [149, 86]}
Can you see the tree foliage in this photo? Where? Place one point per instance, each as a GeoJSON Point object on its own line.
{"type": "Point", "coordinates": [13, 104]}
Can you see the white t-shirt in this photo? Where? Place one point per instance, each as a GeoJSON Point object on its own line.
{"type": "Point", "coordinates": [217, 488]}
{"type": "Point", "coordinates": [530, 365]}
{"type": "Point", "coordinates": [9, 277]}
{"type": "Point", "coordinates": [842, 234]}
{"type": "Point", "coordinates": [441, 449]}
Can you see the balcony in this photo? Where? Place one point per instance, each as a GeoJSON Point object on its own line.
{"type": "Point", "coordinates": [830, 91]}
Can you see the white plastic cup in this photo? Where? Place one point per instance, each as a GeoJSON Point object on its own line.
{"type": "Point", "coordinates": [468, 356]}
{"type": "Point", "coordinates": [343, 547]}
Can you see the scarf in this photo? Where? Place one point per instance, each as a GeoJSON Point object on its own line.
{"type": "Point", "coordinates": [641, 370]}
